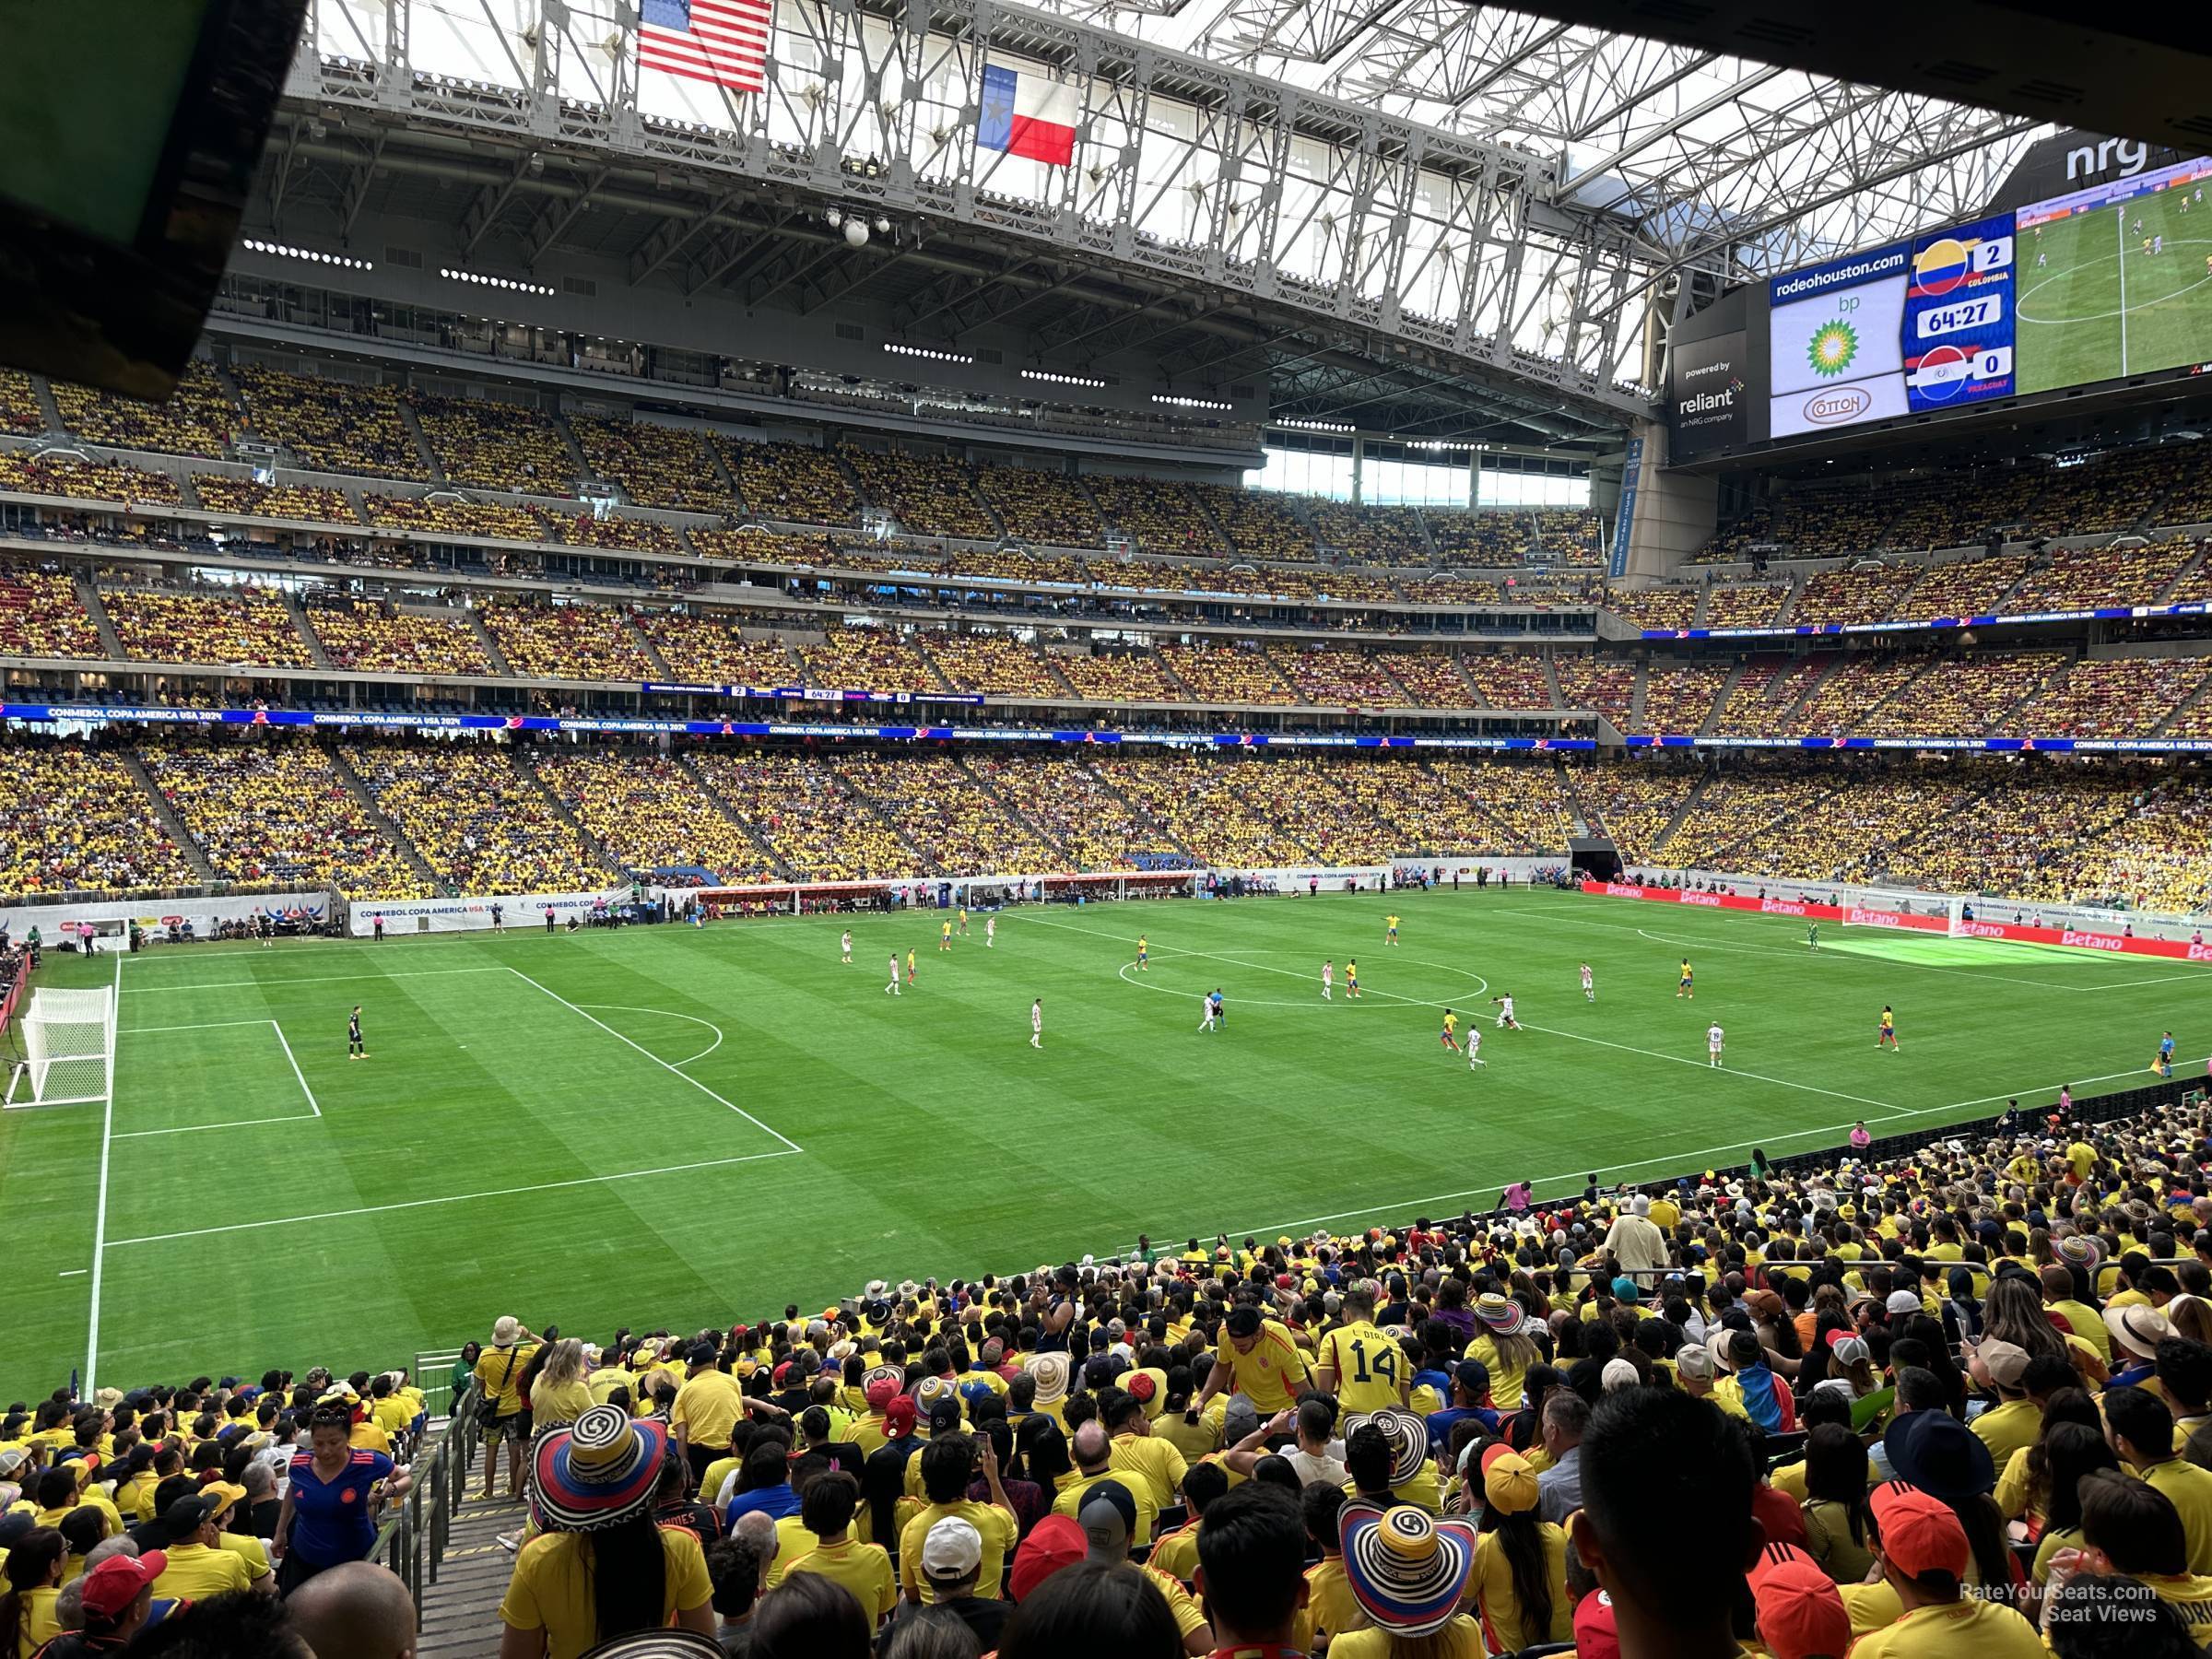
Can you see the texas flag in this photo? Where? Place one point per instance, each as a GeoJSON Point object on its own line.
{"type": "Point", "coordinates": [1024, 114]}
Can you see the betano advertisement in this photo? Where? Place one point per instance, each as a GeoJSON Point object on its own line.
{"type": "Point", "coordinates": [2105, 282]}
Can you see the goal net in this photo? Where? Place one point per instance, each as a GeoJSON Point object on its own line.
{"type": "Point", "coordinates": [1901, 910]}
{"type": "Point", "coordinates": [68, 1049]}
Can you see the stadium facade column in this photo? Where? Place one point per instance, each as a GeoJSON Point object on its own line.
{"type": "Point", "coordinates": [1358, 465]}
{"type": "Point", "coordinates": [1676, 512]}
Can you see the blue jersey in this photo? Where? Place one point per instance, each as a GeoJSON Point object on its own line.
{"type": "Point", "coordinates": [2165, 1048]}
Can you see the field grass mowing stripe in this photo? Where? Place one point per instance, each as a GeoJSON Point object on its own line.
{"type": "Point", "coordinates": [408, 1204]}
{"type": "Point", "coordinates": [311, 979]}
{"type": "Point", "coordinates": [663, 1064]}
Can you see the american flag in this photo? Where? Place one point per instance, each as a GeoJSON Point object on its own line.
{"type": "Point", "coordinates": [722, 42]}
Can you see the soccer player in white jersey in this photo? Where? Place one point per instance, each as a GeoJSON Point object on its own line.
{"type": "Point", "coordinates": [1328, 978]}
{"type": "Point", "coordinates": [1506, 1022]}
{"type": "Point", "coordinates": [844, 945]}
{"type": "Point", "coordinates": [990, 932]}
{"type": "Point", "coordinates": [1475, 1046]}
{"type": "Point", "coordinates": [1713, 1038]}
{"type": "Point", "coordinates": [892, 989]}
{"type": "Point", "coordinates": [1588, 984]}
{"type": "Point", "coordinates": [1037, 1023]}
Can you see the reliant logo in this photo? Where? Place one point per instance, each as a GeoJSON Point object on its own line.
{"type": "Point", "coordinates": [1706, 403]}
{"type": "Point", "coordinates": [2089, 941]}
{"type": "Point", "coordinates": [1833, 408]}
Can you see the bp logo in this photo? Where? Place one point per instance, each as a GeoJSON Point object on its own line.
{"type": "Point", "coordinates": [1831, 348]}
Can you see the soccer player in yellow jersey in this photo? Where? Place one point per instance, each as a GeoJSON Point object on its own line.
{"type": "Point", "coordinates": [1351, 976]}
{"type": "Point", "coordinates": [963, 921]}
{"type": "Point", "coordinates": [909, 966]}
{"type": "Point", "coordinates": [1363, 1368]}
{"type": "Point", "coordinates": [1144, 953]}
{"type": "Point", "coordinates": [1390, 934]}
{"type": "Point", "coordinates": [1682, 987]}
{"type": "Point", "coordinates": [1885, 1037]}
{"type": "Point", "coordinates": [945, 935]}
{"type": "Point", "coordinates": [1257, 1360]}
{"type": "Point", "coordinates": [1451, 1025]}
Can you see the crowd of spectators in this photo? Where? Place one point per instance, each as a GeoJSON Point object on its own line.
{"type": "Point", "coordinates": [1118, 676]}
{"type": "Point", "coordinates": [809, 812]}
{"type": "Point", "coordinates": [566, 642]}
{"type": "Point", "coordinates": [958, 826]}
{"type": "Point", "coordinates": [19, 411]}
{"type": "Point", "coordinates": [928, 494]}
{"type": "Point", "coordinates": [1744, 605]}
{"type": "Point", "coordinates": [1206, 806]}
{"type": "Point", "coordinates": [1668, 607]}
{"type": "Point", "coordinates": [480, 823]}
{"type": "Point", "coordinates": [1823, 522]}
{"type": "Point", "coordinates": [383, 637]}
{"type": "Point", "coordinates": [868, 659]}
{"type": "Point", "coordinates": [1771, 686]}
{"type": "Point", "coordinates": [1227, 674]}
{"type": "Point", "coordinates": [1967, 587]}
{"type": "Point", "coordinates": [654, 465]}
{"type": "Point", "coordinates": [1162, 516]}
{"type": "Point", "coordinates": [1634, 800]}
{"type": "Point", "coordinates": [707, 650]}
{"type": "Point", "coordinates": [42, 615]}
{"type": "Point", "coordinates": [1508, 681]}
{"type": "Point", "coordinates": [1862, 592]}
{"type": "Point", "coordinates": [1740, 801]}
{"type": "Point", "coordinates": [1571, 536]}
{"type": "Point", "coordinates": [796, 483]}
{"type": "Point", "coordinates": [273, 808]}
{"type": "Point", "coordinates": [2036, 831]}
{"type": "Point", "coordinates": [619, 532]}
{"type": "Point", "coordinates": [1339, 679]}
{"type": "Point", "coordinates": [1606, 686]}
{"type": "Point", "coordinates": [1964, 696]}
{"type": "Point", "coordinates": [1432, 678]}
{"type": "Point", "coordinates": [85, 480]}
{"type": "Point", "coordinates": [1067, 803]}
{"type": "Point", "coordinates": [1376, 535]}
{"type": "Point", "coordinates": [1861, 686]}
{"type": "Point", "coordinates": [331, 426]}
{"type": "Point", "coordinates": [2138, 573]}
{"type": "Point", "coordinates": [2113, 492]}
{"type": "Point", "coordinates": [1678, 697]}
{"type": "Point", "coordinates": [2117, 697]}
{"type": "Point", "coordinates": [1731, 543]}
{"type": "Point", "coordinates": [1850, 821]}
{"type": "Point", "coordinates": [482, 443]}
{"type": "Point", "coordinates": [1527, 796]}
{"type": "Point", "coordinates": [198, 419]}
{"type": "Point", "coordinates": [73, 817]}
{"type": "Point", "coordinates": [238, 627]}
{"type": "Point", "coordinates": [308, 503]}
{"type": "Point", "coordinates": [995, 664]}
{"type": "Point", "coordinates": [448, 515]}
{"type": "Point", "coordinates": [1260, 523]}
{"type": "Point", "coordinates": [651, 813]}
{"type": "Point", "coordinates": [1042, 506]}
{"type": "Point", "coordinates": [1484, 538]}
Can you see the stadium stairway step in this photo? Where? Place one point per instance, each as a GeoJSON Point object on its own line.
{"type": "Point", "coordinates": [422, 442]}
{"type": "Point", "coordinates": [745, 826]}
{"type": "Point", "coordinates": [653, 653]}
{"type": "Point", "coordinates": [722, 470]}
{"type": "Point", "coordinates": [359, 787]}
{"type": "Point", "coordinates": [2200, 698]}
{"type": "Point", "coordinates": [1711, 722]}
{"type": "Point", "coordinates": [87, 593]}
{"type": "Point", "coordinates": [1682, 812]}
{"type": "Point", "coordinates": [492, 653]}
{"type": "Point", "coordinates": [170, 819]}
{"type": "Point", "coordinates": [1551, 682]}
{"type": "Point", "coordinates": [1788, 601]}
{"type": "Point", "coordinates": [307, 633]}
{"type": "Point", "coordinates": [42, 389]}
{"type": "Point", "coordinates": [461, 1611]}
{"type": "Point", "coordinates": [1644, 676]}
{"type": "Point", "coordinates": [2181, 575]}
{"type": "Point", "coordinates": [579, 468]}
{"type": "Point", "coordinates": [1809, 690]}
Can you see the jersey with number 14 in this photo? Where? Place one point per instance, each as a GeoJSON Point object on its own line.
{"type": "Point", "coordinates": [1367, 1364]}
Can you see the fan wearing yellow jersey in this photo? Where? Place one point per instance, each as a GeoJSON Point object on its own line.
{"type": "Point", "coordinates": [1257, 1360]}
{"type": "Point", "coordinates": [1362, 1367]}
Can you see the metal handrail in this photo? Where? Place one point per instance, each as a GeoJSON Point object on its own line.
{"type": "Point", "coordinates": [413, 1538]}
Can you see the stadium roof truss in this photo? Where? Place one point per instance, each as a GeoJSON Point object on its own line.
{"type": "Point", "coordinates": [1434, 218]}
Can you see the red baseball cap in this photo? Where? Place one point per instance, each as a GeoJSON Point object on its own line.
{"type": "Point", "coordinates": [114, 1584]}
{"type": "Point", "coordinates": [1054, 1542]}
{"type": "Point", "coordinates": [1920, 1533]}
{"type": "Point", "coordinates": [881, 1393]}
{"type": "Point", "coordinates": [899, 1417]}
{"type": "Point", "coordinates": [1596, 1634]}
{"type": "Point", "coordinates": [1800, 1614]}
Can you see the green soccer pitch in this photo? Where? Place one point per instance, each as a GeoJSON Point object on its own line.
{"type": "Point", "coordinates": [2093, 304]}
{"type": "Point", "coordinates": [691, 1126]}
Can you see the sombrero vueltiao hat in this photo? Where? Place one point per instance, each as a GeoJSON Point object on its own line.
{"type": "Point", "coordinates": [1407, 1571]}
{"type": "Point", "coordinates": [1500, 1314]}
{"type": "Point", "coordinates": [598, 1472]}
{"type": "Point", "coordinates": [877, 1373]}
{"type": "Point", "coordinates": [1407, 1433]}
{"type": "Point", "coordinates": [1050, 1371]}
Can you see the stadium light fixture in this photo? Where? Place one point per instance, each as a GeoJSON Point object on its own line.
{"type": "Point", "coordinates": [509, 283]}
{"type": "Point", "coordinates": [1050, 378]}
{"type": "Point", "coordinates": [1317, 426]}
{"type": "Point", "coordinates": [1172, 401]}
{"type": "Point", "coordinates": [284, 250]}
{"type": "Point", "coordinates": [899, 349]}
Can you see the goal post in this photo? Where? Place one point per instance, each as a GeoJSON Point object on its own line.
{"type": "Point", "coordinates": [68, 1048]}
{"type": "Point", "coordinates": [1901, 911]}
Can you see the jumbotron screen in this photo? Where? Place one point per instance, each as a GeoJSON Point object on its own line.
{"type": "Point", "coordinates": [2109, 281]}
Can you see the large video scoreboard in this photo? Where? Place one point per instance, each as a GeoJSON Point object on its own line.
{"type": "Point", "coordinates": [2111, 281]}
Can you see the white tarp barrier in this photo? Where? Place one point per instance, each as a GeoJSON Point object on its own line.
{"type": "Point", "coordinates": [470, 912]}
